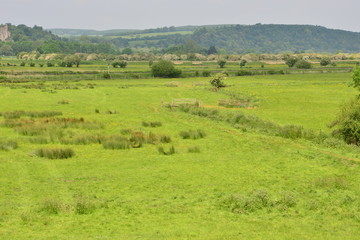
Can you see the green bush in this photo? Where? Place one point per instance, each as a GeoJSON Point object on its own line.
{"type": "Point", "coordinates": [194, 149]}
{"type": "Point", "coordinates": [347, 124]}
{"type": "Point", "coordinates": [221, 63]}
{"type": "Point", "coordinates": [116, 142]}
{"type": "Point", "coordinates": [243, 73]}
{"type": "Point", "coordinates": [165, 69]}
{"type": "Point", "coordinates": [302, 64]}
{"type": "Point", "coordinates": [206, 73]}
{"type": "Point", "coordinates": [325, 61]}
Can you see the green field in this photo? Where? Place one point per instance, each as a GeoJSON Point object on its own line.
{"type": "Point", "coordinates": [239, 181]}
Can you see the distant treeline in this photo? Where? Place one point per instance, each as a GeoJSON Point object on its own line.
{"type": "Point", "coordinates": [224, 39]}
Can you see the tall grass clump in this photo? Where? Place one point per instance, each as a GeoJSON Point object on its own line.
{"type": "Point", "coordinates": [151, 124]}
{"type": "Point", "coordinates": [8, 145]}
{"type": "Point", "coordinates": [192, 134]}
{"type": "Point", "coordinates": [116, 142]}
{"type": "Point", "coordinates": [55, 153]}
{"type": "Point", "coordinates": [194, 149]}
{"type": "Point", "coordinates": [51, 206]}
{"type": "Point", "coordinates": [171, 150]}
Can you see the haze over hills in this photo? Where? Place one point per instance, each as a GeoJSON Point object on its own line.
{"type": "Point", "coordinates": [229, 39]}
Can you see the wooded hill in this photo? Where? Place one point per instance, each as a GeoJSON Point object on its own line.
{"type": "Point", "coordinates": [230, 39]}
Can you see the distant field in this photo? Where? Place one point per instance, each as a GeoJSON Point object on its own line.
{"type": "Point", "coordinates": [228, 178]}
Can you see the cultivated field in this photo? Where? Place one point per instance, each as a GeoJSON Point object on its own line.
{"type": "Point", "coordinates": [83, 157]}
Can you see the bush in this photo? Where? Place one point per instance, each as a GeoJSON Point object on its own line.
{"type": "Point", "coordinates": [302, 64]}
{"type": "Point", "coordinates": [22, 64]}
{"type": "Point", "coordinates": [49, 64]}
{"type": "Point", "coordinates": [243, 73]}
{"type": "Point", "coordinates": [165, 69]}
{"type": "Point", "coordinates": [291, 61]}
{"type": "Point", "coordinates": [217, 80]}
{"type": "Point", "coordinates": [106, 75]}
{"type": "Point", "coordinates": [206, 73]}
{"type": "Point", "coordinates": [221, 63]}
{"type": "Point", "coordinates": [243, 63]}
{"type": "Point", "coordinates": [325, 61]}
{"type": "Point", "coordinates": [121, 64]}
{"type": "Point", "coordinates": [55, 153]}
{"type": "Point", "coordinates": [32, 64]}
{"type": "Point", "coordinates": [347, 124]}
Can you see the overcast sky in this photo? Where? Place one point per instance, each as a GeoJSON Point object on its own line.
{"type": "Point", "coordinates": [141, 14]}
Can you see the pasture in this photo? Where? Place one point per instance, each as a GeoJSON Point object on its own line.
{"type": "Point", "coordinates": [112, 159]}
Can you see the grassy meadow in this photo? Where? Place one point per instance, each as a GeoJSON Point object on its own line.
{"type": "Point", "coordinates": [114, 159]}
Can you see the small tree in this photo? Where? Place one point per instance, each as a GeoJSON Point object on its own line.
{"type": "Point", "coordinates": [303, 64]}
{"type": "Point", "coordinates": [347, 123]}
{"type": "Point", "coordinates": [221, 63]}
{"type": "Point", "coordinates": [291, 61]}
{"type": "Point", "coordinates": [243, 63]}
{"type": "Point", "coordinates": [165, 69]}
{"type": "Point", "coordinates": [217, 80]}
{"type": "Point", "coordinates": [123, 64]}
{"type": "Point", "coordinates": [325, 61]}
{"type": "Point", "coordinates": [72, 60]}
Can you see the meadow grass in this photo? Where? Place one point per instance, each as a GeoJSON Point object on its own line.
{"type": "Point", "coordinates": [243, 184]}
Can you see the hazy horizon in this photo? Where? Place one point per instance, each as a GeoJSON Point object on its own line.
{"type": "Point", "coordinates": [141, 14]}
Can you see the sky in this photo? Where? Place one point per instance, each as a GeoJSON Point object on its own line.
{"type": "Point", "coordinates": [143, 14]}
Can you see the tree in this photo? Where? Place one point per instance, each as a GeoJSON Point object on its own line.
{"type": "Point", "coordinates": [6, 50]}
{"type": "Point", "coordinates": [356, 78]}
{"type": "Point", "coordinates": [72, 60]}
{"type": "Point", "coordinates": [221, 63]}
{"type": "Point", "coordinates": [243, 63]}
{"type": "Point", "coordinates": [121, 64]}
{"type": "Point", "coordinates": [347, 123]}
{"type": "Point", "coordinates": [291, 61]}
{"type": "Point", "coordinates": [127, 51]}
{"type": "Point", "coordinates": [303, 64]}
{"type": "Point", "coordinates": [325, 61]}
{"type": "Point", "coordinates": [212, 50]}
{"type": "Point", "coordinates": [217, 80]}
{"type": "Point", "coordinates": [166, 69]}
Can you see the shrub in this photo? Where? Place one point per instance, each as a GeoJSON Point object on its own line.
{"type": "Point", "coordinates": [41, 65]}
{"type": "Point", "coordinates": [22, 64]}
{"type": "Point", "coordinates": [121, 64]}
{"type": "Point", "coordinates": [192, 134]}
{"type": "Point", "coordinates": [49, 64]}
{"type": "Point", "coordinates": [55, 153]}
{"type": "Point", "coordinates": [221, 63]}
{"type": "Point", "coordinates": [165, 69]}
{"type": "Point", "coordinates": [302, 64]}
{"type": "Point", "coordinates": [347, 124]}
{"type": "Point", "coordinates": [217, 80]}
{"type": "Point", "coordinates": [106, 75]}
{"type": "Point", "coordinates": [206, 73]}
{"type": "Point", "coordinates": [171, 151]}
{"type": "Point", "coordinates": [63, 102]}
{"type": "Point", "coordinates": [32, 64]}
{"type": "Point", "coordinates": [325, 61]}
{"type": "Point", "coordinates": [51, 206]}
{"type": "Point", "coordinates": [137, 139]}
{"type": "Point", "coordinates": [291, 61]}
{"type": "Point", "coordinates": [243, 73]}
{"type": "Point", "coordinates": [84, 205]}
{"type": "Point", "coordinates": [243, 63]}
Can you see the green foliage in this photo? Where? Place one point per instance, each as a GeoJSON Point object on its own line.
{"type": "Point", "coordinates": [325, 61]}
{"type": "Point", "coordinates": [356, 78]}
{"type": "Point", "coordinates": [106, 75]}
{"type": "Point", "coordinates": [217, 80]}
{"type": "Point", "coordinates": [291, 61]}
{"type": "Point", "coordinates": [243, 63]}
{"type": "Point", "coordinates": [221, 63]}
{"type": "Point", "coordinates": [206, 73]}
{"type": "Point", "coordinates": [243, 73]}
{"type": "Point", "coordinates": [152, 124]}
{"type": "Point", "coordinates": [302, 64]}
{"type": "Point", "coordinates": [72, 60]}
{"type": "Point", "coordinates": [165, 69]}
{"type": "Point", "coordinates": [347, 124]}
{"type": "Point", "coordinates": [121, 64]}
